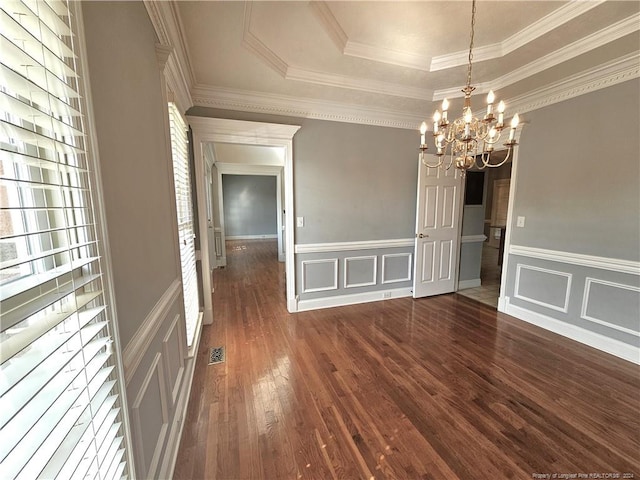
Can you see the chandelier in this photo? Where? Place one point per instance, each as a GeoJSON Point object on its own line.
{"type": "Point", "coordinates": [468, 140]}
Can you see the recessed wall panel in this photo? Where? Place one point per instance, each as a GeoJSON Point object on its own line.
{"type": "Point", "coordinates": [319, 275]}
{"type": "Point", "coordinates": [360, 271]}
{"type": "Point", "coordinates": [612, 304]}
{"type": "Point", "coordinates": [548, 288]}
{"type": "Point", "coordinates": [396, 267]}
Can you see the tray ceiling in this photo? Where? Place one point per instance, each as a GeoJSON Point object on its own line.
{"type": "Point", "coordinates": [396, 59]}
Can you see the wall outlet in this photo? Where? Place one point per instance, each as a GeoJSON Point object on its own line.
{"type": "Point", "coordinates": [299, 221]}
{"type": "Point", "coordinates": [520, 222]}
{"type": "Point", "coordinates": [386, 295]}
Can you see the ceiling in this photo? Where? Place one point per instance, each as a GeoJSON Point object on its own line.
{"type": "Point", "coordinates": [392, 63]}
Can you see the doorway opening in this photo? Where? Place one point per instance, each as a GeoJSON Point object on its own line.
{"type": "Point", "coordinates": [236, 133]}
{"type": "Point", "coordinates": [484, 234]}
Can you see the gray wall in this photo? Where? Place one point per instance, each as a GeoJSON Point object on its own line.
{"type": "Point", "coordinates": [131, 122]}
{"type": "Point", "coordinates": [352, 183]}
{"type": "Point", "coordinates": [128, 107]}
{"type": "Point", "coordinates": [578, 170]}
{"type": "Point", "coordinates": [471, 252]}
{"type": "Point", "coordinates": [250, 206]}
{"type": "Point", "coordinates": [578, 188]}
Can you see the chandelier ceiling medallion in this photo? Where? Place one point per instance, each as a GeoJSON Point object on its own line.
{"type": "Point", "coordinates": [467, 140]}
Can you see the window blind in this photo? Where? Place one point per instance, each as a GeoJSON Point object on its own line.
{"type": "Point", "coordinates": [184, 207]}
{"type": "Point", "coordinates": [59, 395]}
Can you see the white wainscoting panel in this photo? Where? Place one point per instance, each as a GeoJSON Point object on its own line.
{"type": "Point", "coordinates": [327, 268]}
{"type": "Point", "coordinates": [149, 406]}
{"type": "Point", "coordinates": [540, 301]}
{"type": "Point", "coordinates": [353, 246]}
{"type": "Point", "coordinates": [174, 353]}
{"type": "Point", "coordinates": [139, 344]}
{"type": "Point", "coordinates": [601, 263]}
{"type": "Point", "coordinates": [396, 267]}
{"type": "Point", "coordinates": [626, 305]}
{"type": "Point", "coordinates": [357, 267]}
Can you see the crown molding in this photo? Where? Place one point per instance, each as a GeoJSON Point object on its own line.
{"type": "Point", "coordinates": [386, 55]}
{"type": "Point", "coordinates": [257, 102]}
{"type": "Point", "coordinates": [606, 75]}
{"type": "Point", "coordinates": [167, 25]}
{"type": "Point", "coordinates": [361, 50]}
{"type": "Point", "coordinates": [290, 72]}
{"type": "Point", "coordinates": [359, 84]}
{"type": "Point", "coordinates": [330, 23]}
{"type": "Point", "coordinates": [162, 54]}
{"type": "Point", "coordinates": [549, 22]}
{"type": "Point", "coordinates": [252, 43]}
{"type": "Point", "coordinates": [597, 39]}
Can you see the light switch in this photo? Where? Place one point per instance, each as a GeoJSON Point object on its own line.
{"type": "Point", "coordinates": [520, 222]}
{"type": "Point", "coordinates": [299, 221]}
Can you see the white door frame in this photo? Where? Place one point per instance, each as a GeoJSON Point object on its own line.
{"type": "Point", "coordinates": [502, 299]}
{"type": "Point", "coordinates": [244, 169]}
{"type": "Point", "coordinates": [220, 130]}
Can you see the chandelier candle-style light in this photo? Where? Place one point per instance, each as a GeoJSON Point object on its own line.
{"type": "Point", "coordinates": [468, 139]}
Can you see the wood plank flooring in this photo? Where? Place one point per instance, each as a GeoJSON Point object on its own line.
{"type": "Point", "coordinates": [437, 388]}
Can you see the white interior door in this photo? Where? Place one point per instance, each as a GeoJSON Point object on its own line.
{"type": "Point", "coordinates": [438, 212]}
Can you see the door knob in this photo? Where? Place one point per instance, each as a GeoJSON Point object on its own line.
{"type": "Point", "coordinates": [422, 235]}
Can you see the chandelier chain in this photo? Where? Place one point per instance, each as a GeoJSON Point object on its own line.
{"type": "Point", "coordinates": [473, 23]}
{"type": "Point", "coordinates": [469, 141]}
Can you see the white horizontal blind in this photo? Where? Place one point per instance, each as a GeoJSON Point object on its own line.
{"type": "Point", "coordinates": [59, 400]}
{"type": "Point", "coordinates": [184, 207]}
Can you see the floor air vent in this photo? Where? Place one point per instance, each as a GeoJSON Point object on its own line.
{"type": "Point", "coordinates": [216, 355]}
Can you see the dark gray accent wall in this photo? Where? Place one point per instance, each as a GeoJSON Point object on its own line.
{"type": "Point", "coordinates": [351, 182]}
{"type": "Point", "coordinates": [250, 206]}
{"type": "Point", "coordinates": [578, 175]}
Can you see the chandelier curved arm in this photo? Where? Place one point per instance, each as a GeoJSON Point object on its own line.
{"type": "Point", "coordinates": [486, 159]}
{"type": "Point", "coordinates": [427, 164]}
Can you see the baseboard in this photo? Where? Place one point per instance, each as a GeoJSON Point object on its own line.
{"type": "Point", "coordinates": [579, 334]}
{"type": "Point", "coordinates": [251, 237]}
{"type": "Point", "coordinates": [353, 299]}
{"type": "Point", "coordinates": [473, 283]}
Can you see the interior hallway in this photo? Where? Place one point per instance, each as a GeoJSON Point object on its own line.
{"type": "Point", "coordinates": [437, 388]}
{"type": "Point", "coordinates": [490, 273]}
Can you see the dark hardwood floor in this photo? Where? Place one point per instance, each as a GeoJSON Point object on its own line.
{"type": "Point", "coordinates": [437, 388]}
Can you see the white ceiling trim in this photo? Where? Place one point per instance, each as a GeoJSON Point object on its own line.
{"type": "Point", "coordinates": [532, 32]}
{"type": "Point", "coordinates": [361, 50]}
{"type": "Point", "coordinates": [255, 45]}
{"type": "Point", "coordinates": [611, 73]}
{"type": "Point", "coordinates": [257, 102]}
{"type": "Point", "coordinates": [166, 23]}
{"type": "Point", "coordinates": [606, 75]}
{"type": "Point", "coordinates": [584, 45]}
{"type": "Point", "coordinates": [289, 72]}
{"type": "Point", "coordinates": [386, 55]}
{"type": "Point", "coordinates": [360, 84]}
{"type": "Point", "coordinates": [330, 24]}
{"type": "Point", "coordinates": [245, 169]}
